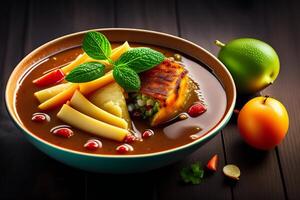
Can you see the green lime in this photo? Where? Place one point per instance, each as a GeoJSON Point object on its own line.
{"type": "Point", "coordinates": [253, 64]}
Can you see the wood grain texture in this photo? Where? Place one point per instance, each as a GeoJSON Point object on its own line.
{"type": "Point", "coordinates": [260, 172]}
{"type": "Point", "coordinates": [26, 172]}
{"type": "Point", "coordinates": [152, 15]}
{"type": "Point", "coordinates": [284, 29]}
{"type": "Point", "coordinates": [265, 175]}
{"type": "Point", "coordinates": [93, 14]}
{"type": "Point", "coordinates": [47, 20]}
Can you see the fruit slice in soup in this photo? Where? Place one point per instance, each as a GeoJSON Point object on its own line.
{"type": "Point", "coordinates": [80, 103]}
{"type": "Point", "coordinates": [165, 90]}
{"type": "Point", "coordinates": [88, 124]}
{"type": "Point", "coordinates": [111, 98]}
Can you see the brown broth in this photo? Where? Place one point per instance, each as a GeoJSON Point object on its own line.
{"type": "Point", "coordinates": [170, 135]}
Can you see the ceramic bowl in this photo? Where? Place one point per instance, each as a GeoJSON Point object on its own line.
{"type": "Point", "coordinates": [122, 163]}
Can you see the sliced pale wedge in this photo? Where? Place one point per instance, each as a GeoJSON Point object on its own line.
{"type": "Point", "coordinates": [88, 124]}
{"type": "Point", "coordinates": [48, 93]}
{"type": "Point", "coordinates": [82, 104]}
{"type": "Point", "coordinates": [89, 87]}
{"type": "Point", "coordinates": [59, 99]}
{"type": "Point", "coordinates": [113, 108]}
{"type": "Point", "coordinates": [111, 99]}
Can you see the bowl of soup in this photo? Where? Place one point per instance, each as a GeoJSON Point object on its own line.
{"type": "Point", "coordinates": [120, 100]}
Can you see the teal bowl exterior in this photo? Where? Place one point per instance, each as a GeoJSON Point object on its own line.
{"type": "Point", "coordinates": [116, 163]}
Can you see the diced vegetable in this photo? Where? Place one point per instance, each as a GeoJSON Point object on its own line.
{"type": "Point", "coordinates": [80, 103]}
{"type": "Point", "coordinates": [85, 123]}
{"type": "Point", "coordinates": [50, 78]}
{"type": "Point", "coordinates": [143, 105]}
{"type": "Point", "coordinates": [59, 99]}
{"type": "Point", "coordinates": [48, 93]}
{"type": "Point", "coordinates": [212, 163]}
{"type": "Point", "coordinates": [87, 88]}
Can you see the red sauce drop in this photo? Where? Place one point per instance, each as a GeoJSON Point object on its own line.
{"type": "Point", "coordinates": [92, 144]}
{"type": "Point", "coordinates": [148, 133]}
{"type": "Point", "coordinates": [63, 132]}
{"type": "Point", "coordinates": [124, 148]}
{"type": "Point", "coordinates": [40, 117]}
{"type": "Point", "coordinates": [129, 138]}
{"type": "Point", "coordinates": [196, 110]}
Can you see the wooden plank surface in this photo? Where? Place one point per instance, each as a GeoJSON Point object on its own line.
{"type": "Point", "coordinates": [284, 29]}
{"type": "Point", "coordinates": [26, 172]}
{"type": "Point", "coordinates": [260, 172]}
{"type": "Point", "coordinates": [265, 175]}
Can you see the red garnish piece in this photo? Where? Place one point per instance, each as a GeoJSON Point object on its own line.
{"type": "Point", "coordinates": [213, 163]}
{"type": "Point", "coordinates": [92, 144]}
{"type": "Point", "coordinates": [196, 110]}
{"type": "Point", "coordinates": [148, 133]}
{"type": "Point", "coordinates": [124, 148]}
{"type": "Point", "coordinates": [63, 132]}
{"type": "Point", "coordinates": [50, 78]}
{"type": "Point", "coordinates": [38, 118]}
{"type": "Point", "coordinates": [129, 138]}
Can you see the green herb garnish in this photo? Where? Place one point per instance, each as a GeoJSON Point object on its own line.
{"type": "Point", "coordinates": [125, 69]}
{"type": "Point", "coordinates": [127, 78]}
{"type": "Point", "coordinates": [86, 72]}
{"type": "Point", "coordinates": [141, 59]}
{"type": "Point", "coordinates": [97, 46]}
{"type": "Point", "coordinates": [193, 174]}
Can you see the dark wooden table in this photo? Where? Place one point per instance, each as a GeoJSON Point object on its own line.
{"type": "Point", "coordinates": [26, 173]}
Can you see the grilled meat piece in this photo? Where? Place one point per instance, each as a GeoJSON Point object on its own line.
{"type": "Point", "coordinates": [164, 92]}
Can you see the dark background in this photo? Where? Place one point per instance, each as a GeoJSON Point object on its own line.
{"type": "Point", "coordinates": [26, 173]}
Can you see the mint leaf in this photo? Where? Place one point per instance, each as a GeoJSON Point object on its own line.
{"type": "Point", "coordinates": [140, 59]}
{"type": "Point", "coordinates": [127, 78]}
{"type": "Point", "coordinates": [86, 72]}
{"type": "Point", "coordinates": [192, 174]}
{"type": "Point", "coordinates": [96, 45]}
